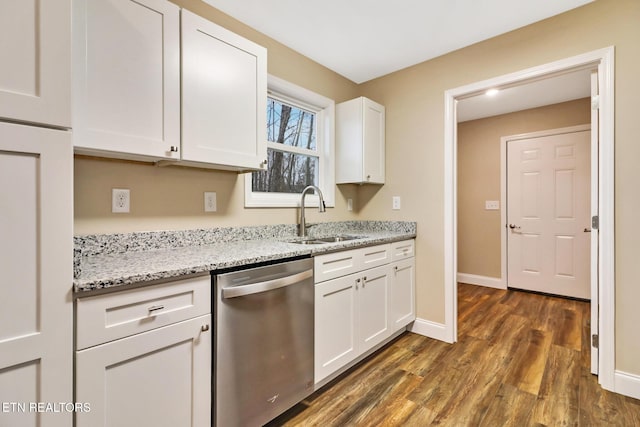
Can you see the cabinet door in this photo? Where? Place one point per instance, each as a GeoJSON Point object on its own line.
{"type": "Point", "coordinates": [403, 306]}
{"type": "Point", "coordinates": [374, 141]}
{"type": "Point", "coordinates": [224, 95]}
{"type": "Point", "coordinates": [35, 76]}
{"type": "Point", "coordinates": [360, 142]}
{"type": "Point", "coordinates": [335, 317]}
{"type": "Point", "coordinates": [373, 307]}
{"type": "Point", "coordinates": [160, 378]}
{"type": "Point", "coordinates": [126, 93]}
{"type": "Point", "coordinates": [36, 312]}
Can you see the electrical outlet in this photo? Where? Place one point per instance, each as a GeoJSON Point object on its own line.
{"type": "Point", "coordinates": [349, 204]}
{"type": "Point", "coordinates": [210, 201]}
{"type": "Point", "coordinates": [395, 205]}
{"type": "Point", "coordinates": [492, 205]}
{"type": "Point", "coordinates": [120, 200]}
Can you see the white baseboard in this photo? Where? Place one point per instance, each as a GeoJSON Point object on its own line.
{"type": "Point", "coordinates": [490, 282]}
{"type": "Point", "coordinates": [427, 328]}
{"type": "Point", "coordinates": [627, 384]}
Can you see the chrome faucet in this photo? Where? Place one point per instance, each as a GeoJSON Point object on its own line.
{"type": "Point", "coordinates": [302, 226]}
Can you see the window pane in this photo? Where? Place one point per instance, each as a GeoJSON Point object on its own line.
{"type": "Point", "coordinates": [287, 173]}
{"type": "Point", "coordinates": [290, 125]}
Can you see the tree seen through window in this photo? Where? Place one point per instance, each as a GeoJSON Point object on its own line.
{"type": "Point", "coordinates": [292, 157]}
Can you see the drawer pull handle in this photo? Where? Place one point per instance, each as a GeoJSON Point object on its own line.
{"type": "Point", "coordinates": [155, 308]}
{"type": "Point", "coordinates": [204, 328]}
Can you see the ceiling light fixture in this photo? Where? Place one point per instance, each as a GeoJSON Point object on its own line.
{"type": "Point", "coordinates": [492, 92]}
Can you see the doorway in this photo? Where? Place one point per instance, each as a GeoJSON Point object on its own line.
{"type": "Point", "coordinates": [603, 61]}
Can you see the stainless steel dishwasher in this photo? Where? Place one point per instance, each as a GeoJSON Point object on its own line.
{"type": "Point", "coordinates": [263, 347]}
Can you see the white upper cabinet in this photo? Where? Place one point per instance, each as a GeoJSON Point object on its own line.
{"type": "Point", "coordinates": [126, 93]}
{"type": "Point", "coordinates": [224, 95]}
{"type": "Point", "coordinates": [360, 142]}
{"type": "Point", "coordinates": [35, 75]}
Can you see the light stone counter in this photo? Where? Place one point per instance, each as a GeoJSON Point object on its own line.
{"type": "Point", "coordinates": [121, 260]}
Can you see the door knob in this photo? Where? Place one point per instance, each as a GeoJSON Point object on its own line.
{"type": "Point", "coordinates": [514, 227]}
{"type": "Point", "coordinates": [587, 230]}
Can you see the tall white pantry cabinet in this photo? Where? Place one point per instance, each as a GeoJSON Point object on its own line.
{"type": "Point", "coordinates": [36, 214]}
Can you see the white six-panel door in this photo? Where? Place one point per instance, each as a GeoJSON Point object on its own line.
{"type": "Point", "coordinates": [548, 196]}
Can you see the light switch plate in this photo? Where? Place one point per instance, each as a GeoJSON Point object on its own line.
{"type": "Point", "coordinates": [349, 204]}
{"type": "Point", "coordinates": [492, 205]}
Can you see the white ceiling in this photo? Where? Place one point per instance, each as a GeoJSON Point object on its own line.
{"type": "Point", "coordinates": [365, 39]}
{"type": "Point", "coordinates": [553, 90]}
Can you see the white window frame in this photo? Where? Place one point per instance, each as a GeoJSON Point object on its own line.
{"type": "Point", "coordinates": [324, 108]}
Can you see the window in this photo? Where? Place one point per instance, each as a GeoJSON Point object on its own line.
{"type": "Point", "coordinates": [300, 141]}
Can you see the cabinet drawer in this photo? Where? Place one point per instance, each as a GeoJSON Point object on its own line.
{"type": "Point", "coordinates": [402, 250]}
{"type": "Point", "coordinates": [375, 256]}
{"type": "Point", "coordinates": [337, 264]}
{"type": "Point", "coordinates": [105, 318]}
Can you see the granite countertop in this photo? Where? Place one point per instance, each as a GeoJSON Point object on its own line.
{"type": "Point", "coordinates": [117, 260]}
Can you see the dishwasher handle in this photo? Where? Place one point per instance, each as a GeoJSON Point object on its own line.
{"type": "Point", "coordinates": [268, 285]}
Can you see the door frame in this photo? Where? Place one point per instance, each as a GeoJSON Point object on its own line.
{"type": "Point", "coordinates": [603, 59]}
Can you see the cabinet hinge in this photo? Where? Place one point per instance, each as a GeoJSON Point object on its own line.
{"type": "Point", "coordinates": [595, 102]}
{"type": "Point", "coordinates": [595, 341]}
{"type": "Point", "coordinates": [595, 222]}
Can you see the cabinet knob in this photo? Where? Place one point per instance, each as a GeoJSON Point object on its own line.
{"type": "Point", "coordinates": [204, 328]}
{"type": "Point", "coordinates": [368, 177]}
{"type": "Point", "coordinates": [174, 149]}
{"type": "Point", "coordinates": [263, 164]}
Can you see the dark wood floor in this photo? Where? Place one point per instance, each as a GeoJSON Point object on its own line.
{"type": "Point", "coordinates": [521, 359]}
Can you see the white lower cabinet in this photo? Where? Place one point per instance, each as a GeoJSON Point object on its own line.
{"type": "Point", "coordinates": [403, 284]}
{"type": "Point", "coordinates": [356, 312]}
{"type": "Point", "coordinates": [351, 316]}
{"type": "Point", "coordinates": [373, 307]}
{"type": "Point", "coordinates": [160, 377]}
{"type": "Point", "coordinates": [403, 306]}
{"type": "Point", "coordinates": [335, 325]}
{"type": "Point", "coordinates": [157, 378]}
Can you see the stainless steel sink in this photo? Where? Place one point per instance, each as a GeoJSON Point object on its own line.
{"type": "Point", "coordinates": [308, 242]}
{"type": "Point", "coordinates": [333, 239]}
{"type": "Point", "coordinates": [324, 240]}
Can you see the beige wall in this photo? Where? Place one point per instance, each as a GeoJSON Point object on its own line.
{"type": "Point", "coordinates": [479, 177]}
{"type": "Point", "coordinates": [414, 99]}
{"type": "Point", "coordinates": [172, 197]}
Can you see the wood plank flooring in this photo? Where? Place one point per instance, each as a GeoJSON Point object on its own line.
{"type": "Point", "coordinates": [521, 359]}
